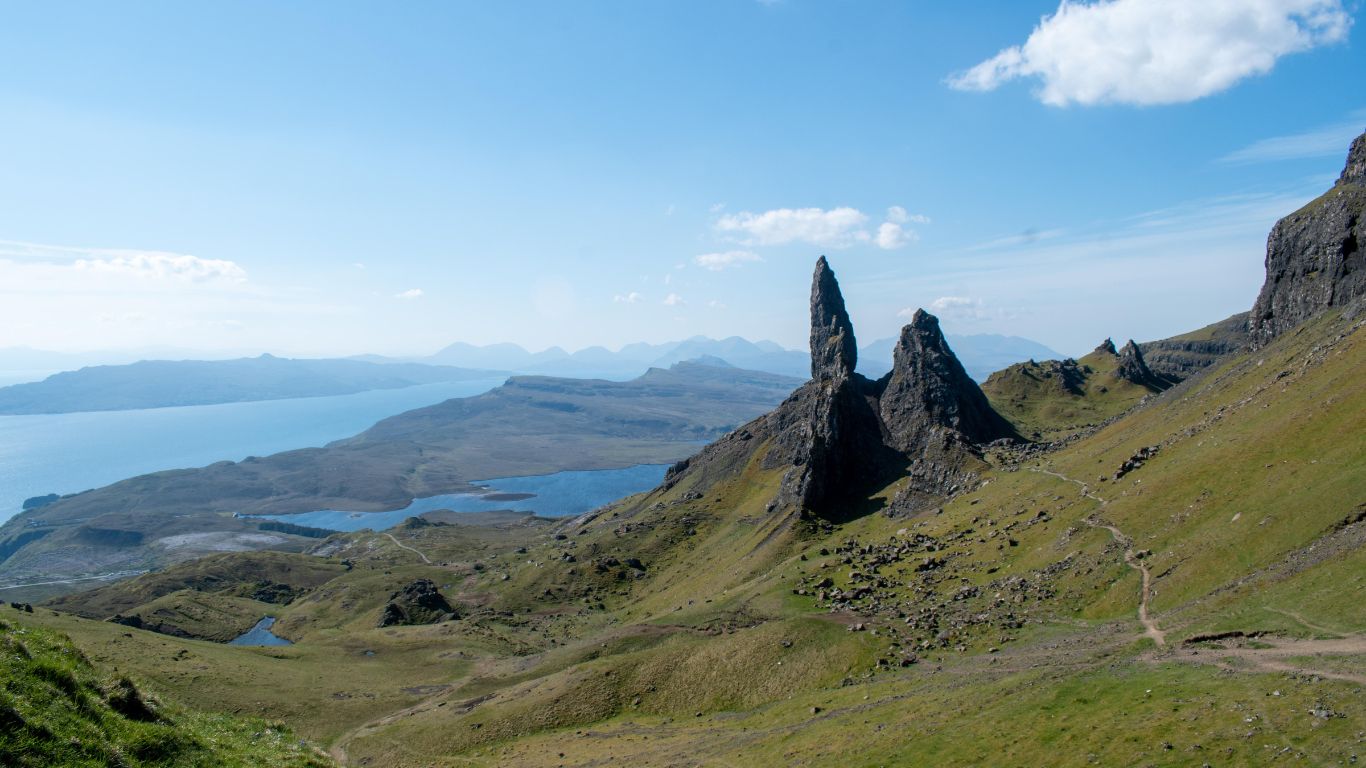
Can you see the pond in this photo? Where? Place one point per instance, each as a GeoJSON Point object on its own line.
{"type": "Point", "coordinates": [260, 635]}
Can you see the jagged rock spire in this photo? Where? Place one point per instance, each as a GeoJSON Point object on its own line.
{"type": "Point", "coordinates": [1133, 368]}
{"type": "Point", "coordinates": [834, 352]}
{"type": "Point", "coordinates": [1107, 346]}
{"type": "Point", "coordinates": [928, 389]}
{"type": "Point", "coordinates": [1355, 170]}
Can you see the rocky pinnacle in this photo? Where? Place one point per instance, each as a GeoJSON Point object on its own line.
{"type": "Point", "coordinates": [834, 353]}
{"type": "Point", "coordinates": [928, 389]}
{"type": "Point", "coordinates": [1132, 367]}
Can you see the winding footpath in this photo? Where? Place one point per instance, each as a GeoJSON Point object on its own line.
{"type": "Point", "coordinates": [401, 545]}
{"type": "Point", "coordinates": [1131, 558]}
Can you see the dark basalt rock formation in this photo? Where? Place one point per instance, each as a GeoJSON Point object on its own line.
{"type": "Point", "coordinates": [1133, 368]}
{"type": "Point", "coordinates": [842, 436]}
{"type": "Point", "coordinates": [834, 352]}
{"type": "Point", "coordinates": [1106, 347]}
{"type": "Point", "coordinates": [418, 603]}
{"type": "Point", "coordinates": [1314, 259]}
{"type": "Point", "coordinates": [927, 394]}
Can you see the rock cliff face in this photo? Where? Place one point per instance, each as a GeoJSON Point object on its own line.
{"type": "Point", "coordinates": [834, 352]}
{"type": "Point", "coordinates": [841, 436]}
{"type": "Point", "coordinates": [927, 394]}
{"type": "Point", "coordinates": [1133, 368]}
{"type": "Point", "coordinates": [1314, 259]}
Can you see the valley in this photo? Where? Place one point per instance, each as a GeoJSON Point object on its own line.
{"type": "Point", "coordinates": [1174, 577]}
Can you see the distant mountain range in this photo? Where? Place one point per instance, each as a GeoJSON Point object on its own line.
{"type": "Point", "coordinates": [166, 383]}
{"type": "Point", "coordinates": [981, 355]}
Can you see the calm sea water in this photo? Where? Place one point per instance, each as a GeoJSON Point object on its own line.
{"type": "Point", "coordinates": [70, 452]}
{"type": "Point", "coordinates": [559, 495]}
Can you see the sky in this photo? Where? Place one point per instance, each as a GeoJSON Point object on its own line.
{"type": "Point", "coordinates": [330, 178]}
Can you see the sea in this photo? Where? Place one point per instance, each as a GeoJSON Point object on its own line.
{"type": "Point", "coordinates": [72, 452]}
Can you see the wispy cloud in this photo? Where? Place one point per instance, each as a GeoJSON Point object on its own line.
{"type": "Point", "coordinates": [840, 227]}
{"type": "Point", "coordinates": [725, 260]}
{"type": "Point", "coordinates": [1157, 51]}
{"type": "Point", "coordinates": [627, 298]}
{"type": "Point", "coordinates": [674, 300]}
{"type": "Point", "coordinates": [119, 262]}
{"type": "Point", "coordinates": [1325, 141]}
{"type": "Point", "coordinates": [410, 294]}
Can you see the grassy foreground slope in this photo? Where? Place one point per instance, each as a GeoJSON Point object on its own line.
{"type": "Point", "coordinates": [57, 710]}
{"type": "Point", "coordinates": [698, 624]}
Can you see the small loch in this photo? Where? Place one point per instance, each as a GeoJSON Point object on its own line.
{"type": "Point", "coordinates": [260, 635]}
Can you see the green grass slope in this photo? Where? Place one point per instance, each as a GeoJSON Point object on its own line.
{"type": "Point", "coordinates": [58, 710]}
{"type": "Point", "coordinates": [698, 625]}
{"type": "Point", "coordinates": [1050, 399]}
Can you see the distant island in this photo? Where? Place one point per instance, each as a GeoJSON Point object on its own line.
{"type": "Point", "coordinates": [168, 383]}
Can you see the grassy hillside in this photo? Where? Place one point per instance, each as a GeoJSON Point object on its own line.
{"type": "Point", "coordinates": [1200, 603]}
{"type": "Point", "coordinates": [1052, 398]}
{"type": "Point", "coordinates": [58, 710]}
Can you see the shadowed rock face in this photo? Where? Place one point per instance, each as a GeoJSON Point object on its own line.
{"type": "Point", "coordinates": [841, 436]}
{"type": "Point", "coordinates": [1314, 258]}
{"type": "Point", "coordinates": [1133, 368]}
{"type": "Point", "coordinates": [834, 353]}
{"type": "Point", "coordinates": [927, 389]}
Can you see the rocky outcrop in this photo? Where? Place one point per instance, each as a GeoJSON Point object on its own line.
{"type": "Point", "coordinates": [1181, 357]}
{"type": "Point", "coordinates": [1314, 258]}
{"type": "Point", "coordinates": [834, 352]}
{"type": "Point", "coordinates": [1106, 347]}
{"type": "Point", "coordinates": [927, 395]}
{"type": "Point", "coordinates": [418, 603]}
{"type": "Point", "coordinates": [1133, 368]}
{"type": "Point", "coordinates": [841, 437]}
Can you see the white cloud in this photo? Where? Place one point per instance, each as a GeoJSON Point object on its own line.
{"type": "Point", "coordinates": [674, 300]}
{"type": "Point", "coordinates": [42, 267]}
{"type": "Point", "coordinates": [714, 304]}
{"type": "Point", "coordinates": [411, 293]}
{"type": "Point", "coordinates": [1157, 51]}
{"type": "Point", "coordinates": [629, 298]}
{"type": "Point", "coordinates": [898, 215]}
{"type": "Point", "coordinates": [835, 228]}
{"type": "Point", "coordinates": [152, 265]}
{"type": "Point", "coordinates": [725, 260]}
{"type": "Point", "coordinates": [1327, 141]}
{"type": "Point", "coordinates": [891, 235]}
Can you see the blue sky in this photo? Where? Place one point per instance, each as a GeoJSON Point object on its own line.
{"type": "Point", "coordinates": [335, 178]}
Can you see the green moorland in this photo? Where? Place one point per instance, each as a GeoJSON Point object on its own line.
{"type": "Point", "coordinates": [57, 709]}
{"type": "Point", "coordinates": [1053, 398]}
{"type": "Point", "coordinates": [1205, 607]}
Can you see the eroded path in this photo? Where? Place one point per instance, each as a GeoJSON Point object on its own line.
{"type": "Point", "coordinates": [1131, 557]}
{"type": "Point", "coordinates": [401, 545]}
{"type": "Point", "coordinates": [1275, 654]}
